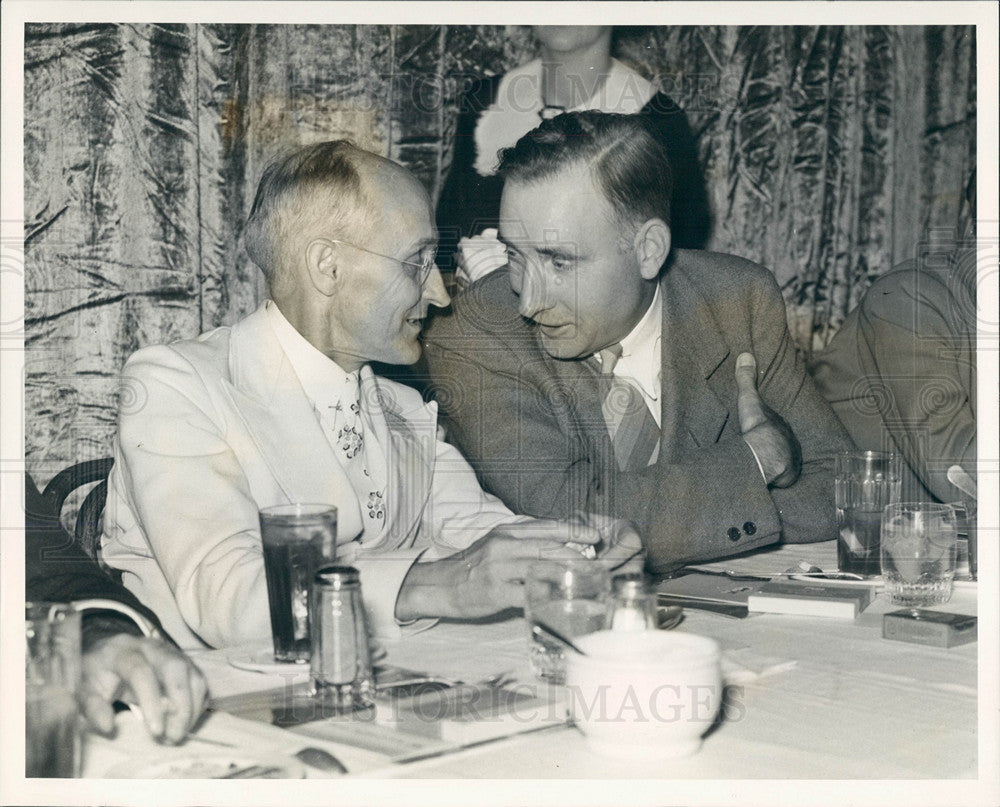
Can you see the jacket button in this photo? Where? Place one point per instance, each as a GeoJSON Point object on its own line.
{"type": "Point", "coordinates": [733, 534]}
{"type": "Point", "coordinates": [749, 528]}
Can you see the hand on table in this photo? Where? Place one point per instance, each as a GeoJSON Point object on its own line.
{"type": "Point", "coordinates": [488, 576]}
{"type": "Point", "coordinates": [764, 430]}
{"type": "Point", "coordinates": [478, 256]}
{"type": "Point", "coordinates": [154, 675]}
{"type": "Point", "coordinates": [620, 548]}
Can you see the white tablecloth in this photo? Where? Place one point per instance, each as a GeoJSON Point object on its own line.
{"type": "Point", "coordinates": [811, 698]}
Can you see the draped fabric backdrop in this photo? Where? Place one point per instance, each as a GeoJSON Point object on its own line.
{"type": "Point", "coordinates": [830, 153]}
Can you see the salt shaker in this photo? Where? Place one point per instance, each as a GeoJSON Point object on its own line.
{"type": "Point", "coordinates": [633, 605]}
{"type": "Point", "coordinates": [341, 663]}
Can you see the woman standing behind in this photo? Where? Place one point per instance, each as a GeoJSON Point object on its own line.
{"type": "Point", "coordinates": [576, 71]}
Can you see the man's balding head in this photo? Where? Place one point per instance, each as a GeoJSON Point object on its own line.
{"type": "Point", "coordinates": [323, 189]}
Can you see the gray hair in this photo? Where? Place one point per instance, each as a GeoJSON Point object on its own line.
{"type": "Point", "coordinates": [309, 191]}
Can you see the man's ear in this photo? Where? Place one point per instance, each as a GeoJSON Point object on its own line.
{"type": "Point", "coordinates": [322, 262]}
{"type": "Point", "coordinates": [652, 245]}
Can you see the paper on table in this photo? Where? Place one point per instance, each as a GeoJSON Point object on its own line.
{"type": "Point", "coordinates": [133, 744]}
{"type": "Point", "coordinates": [429, 720]}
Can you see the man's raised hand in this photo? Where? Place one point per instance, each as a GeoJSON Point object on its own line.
{"type": "Point", "coordinates": [764, 430]}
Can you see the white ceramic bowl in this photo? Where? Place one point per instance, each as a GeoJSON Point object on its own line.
{"type": "Point", "coordinates": [648, 695]}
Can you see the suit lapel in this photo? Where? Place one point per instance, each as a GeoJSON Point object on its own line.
{"type": "Point", "coordinates": [275, 411]}
{"type": "Point", "coordinates": [692, 352]}
{"type": "Point", "coordinates": [407, 432]}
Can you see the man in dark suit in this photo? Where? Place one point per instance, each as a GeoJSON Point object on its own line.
{"type": "Point", "coordinates": [119, 662]}
{"type": "Point", "coordinates": [603, 371]}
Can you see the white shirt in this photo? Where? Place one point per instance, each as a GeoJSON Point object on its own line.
{"type": "Point", "coordinates": [640, 362]}
{"type": "Point", "coordinates": [519, 100]}
{"type": "Point", "coordinates": [328, 386]}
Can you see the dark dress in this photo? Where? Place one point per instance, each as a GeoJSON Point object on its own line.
{"type": "Point", "coordinates": [470, 202]}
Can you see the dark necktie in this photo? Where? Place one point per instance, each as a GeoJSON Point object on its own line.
{"type": "Point", "coordinates": [631, 426]}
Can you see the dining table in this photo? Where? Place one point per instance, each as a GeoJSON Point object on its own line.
{"type": "Point", "coordinates": [806, 698]}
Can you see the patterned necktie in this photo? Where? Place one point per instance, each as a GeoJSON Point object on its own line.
{"type": "Point", "coordinates": [631, 426]}
{"type": "Point", "coordinates": [360, 456]}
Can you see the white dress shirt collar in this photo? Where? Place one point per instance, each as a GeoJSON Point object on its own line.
{"type": "Point", "coordinates": [323, 380]}
{"type": "Point", "coordinates": [640, 360]}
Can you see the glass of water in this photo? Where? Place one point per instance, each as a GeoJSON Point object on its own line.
{"type": "Point", "coordinates": [570, 597]}
{"type": "Point", "coordinates": [864, 483]}
{"type": "Point", "coordinates": [919, 551]}
{"type": "Point", "coordinates": [52, 677]}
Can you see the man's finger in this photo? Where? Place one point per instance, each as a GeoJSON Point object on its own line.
{"type": "Point", "coordinates": [98, 712]}
{"type": "Point", "coordinates": [139, 679]}
{"type": "Point", "coordinates": [749, 404]}
{"type": "Point", "coordinates": [549, 529]}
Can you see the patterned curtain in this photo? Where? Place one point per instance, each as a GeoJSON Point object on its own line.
{"type": "Point", "coordinates": [831, 153]}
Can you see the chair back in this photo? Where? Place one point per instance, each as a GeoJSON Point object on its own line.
{"type": "Point", "coordinates": [87, 531]}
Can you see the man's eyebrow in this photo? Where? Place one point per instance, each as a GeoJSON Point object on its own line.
{"type": "Point", "coordinates": [422, 244]}
{"type": "Point", "coordinates": [546, 250]}
{"type": "Point", "coordinates": [557, 251]}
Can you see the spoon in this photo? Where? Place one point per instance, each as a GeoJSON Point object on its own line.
{"type": "Point", "coordinates": [320, 759]}
{"type": "Point", "coordinates": [538, 628]}
{"type": "Point", "coordinates": [960, 478]}
{"type": "Point", "coordinates": [669, 616]}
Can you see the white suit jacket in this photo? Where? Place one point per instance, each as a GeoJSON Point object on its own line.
{"type": "Point", "coordinates": [211, 430]}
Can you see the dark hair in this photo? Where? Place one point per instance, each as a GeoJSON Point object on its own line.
{"type": "Point", "coordinates": [329, 167]}
{"type": "Point", "coordinates": [628, 162]}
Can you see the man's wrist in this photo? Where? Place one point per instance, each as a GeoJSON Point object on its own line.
{"type": "Point", "coordinates": [427, 591]}
{"type": "Point", "coordinates": [98, 627]}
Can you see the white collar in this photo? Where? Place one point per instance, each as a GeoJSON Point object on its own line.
{"type": "Point", "coordinates": [515, 110]}
{"type": "Point", "coordinates": [641, 355]}
{"type": "Point", "coordinates": [323, 380]}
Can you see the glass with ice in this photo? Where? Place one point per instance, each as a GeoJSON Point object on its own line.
{"type": "Point", "coordinates": [570, 597]}
{"type": "Point", "coordinates": [52, 677]}
{"type": "Point", "coordinates": [298, 539]}
{"type": "Point", "coordinates": [864, 483]}
{"type": "Point", "coordinates": [919, 551]}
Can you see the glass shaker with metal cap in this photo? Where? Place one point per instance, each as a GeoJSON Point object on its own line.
{"type": "Point", "coordinates": [633, 605]}
{"type": "Point", "coordinates": [341, 663]}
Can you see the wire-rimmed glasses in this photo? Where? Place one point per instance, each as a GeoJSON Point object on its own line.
{"type": "Point", "coordinates": [424, 268]}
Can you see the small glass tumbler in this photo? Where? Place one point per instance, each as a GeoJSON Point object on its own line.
{"type": "Point", "coordinates": [919, 552]}
{"type": "Point", "coordinates": [298, 539]}
{"type": "Point", "coordinates": [967, 512]}
{"type": "Point", "coordinates": [864, 483]}
{"type": "Point", "coordinates": [52, 677]}
{"type": "Point", "coordinates": [570, 597]}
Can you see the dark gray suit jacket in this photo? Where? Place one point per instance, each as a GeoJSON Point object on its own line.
{"type": "Point", "coordinates": [532, 426]}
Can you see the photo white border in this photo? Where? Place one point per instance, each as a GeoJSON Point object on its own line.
{"type": "Point", "coordinates": [397, 792]}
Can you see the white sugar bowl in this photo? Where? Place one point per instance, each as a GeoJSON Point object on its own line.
{"type": "Point", "coordinates": [646, 695]}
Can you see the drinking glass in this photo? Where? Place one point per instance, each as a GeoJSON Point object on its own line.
{"type": "Point", "coordinates": [52, 677]}
{"type": "Point", "coordinates": [571, 597]}
{"type": "Point", "coordinates": [864, 483]}
{"type": "Point", "coordinates": [919, 549]}
{"type": "Point", "coordinates": [298, 539]}
{"type": "Point", "coordinates": [966, 511]}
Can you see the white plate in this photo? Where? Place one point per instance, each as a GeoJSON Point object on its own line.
{"type": "Point", "coordinates": [202, 766]}
{"type": "Point", "coordinates": [261, 659]}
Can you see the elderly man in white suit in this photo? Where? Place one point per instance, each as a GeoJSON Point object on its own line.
{"type": "Point", "coordinates": [283, 407]}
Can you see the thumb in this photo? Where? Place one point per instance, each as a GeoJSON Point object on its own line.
{"type": "Point", "coordinates": [98, 712]}
{"type": "Point", "coordinates": [750, 407]}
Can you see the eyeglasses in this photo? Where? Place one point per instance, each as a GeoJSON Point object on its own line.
{"type": "Point", "coordinates": [425, 267]}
